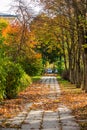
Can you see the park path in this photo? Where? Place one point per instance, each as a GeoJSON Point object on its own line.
{"type": "Point", "coordinates": [61, 119]}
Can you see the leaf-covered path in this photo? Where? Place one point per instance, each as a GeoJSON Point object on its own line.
{"type": "Point", "coordinates": [45, 112]}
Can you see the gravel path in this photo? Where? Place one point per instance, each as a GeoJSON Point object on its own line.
{"type": "Point", "coordinates": [61, 119]}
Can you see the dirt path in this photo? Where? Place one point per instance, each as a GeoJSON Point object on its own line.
{"type": "Point", "coordinates": [45, 114]}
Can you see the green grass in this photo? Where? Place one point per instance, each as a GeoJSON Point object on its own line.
{"type": "Point", "coordinates": [36, 78]}
{"type": "Point", "coordinates": [67, 86]}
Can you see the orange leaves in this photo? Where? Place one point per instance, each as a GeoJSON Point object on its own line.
{"type": "Point", "coordinates": [14, 28]}
{"type": "Point", "coordinates": [2, 111]}
{"type": "Point", "coordinates": [12, 34]}
{"type": "Point", "coordinates": [75, 99]}
{"type": "Point", "coordinates": [19, 38]}
{"type": "Point", "coordinates": [10, 108]}
{"type": "Point", "coordinates": [34, 93]}
{"type": "Point", "coordinates": [38, 56]}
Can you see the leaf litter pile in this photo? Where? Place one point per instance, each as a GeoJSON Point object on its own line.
{"type": "Point", "coordinates": [75, 99]}
{"type": "Point", "coordinates": [35, 93]}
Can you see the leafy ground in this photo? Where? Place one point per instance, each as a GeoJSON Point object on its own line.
{"type": "Point", "coordinates": [76, 99]}
{"type": "Point", "coordinates": [35, 93]}
{"type": "Point", "coordinates": [10, 108]}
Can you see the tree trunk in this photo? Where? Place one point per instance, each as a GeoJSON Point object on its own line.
{"type": "Point", "coordinates": [85, 74]}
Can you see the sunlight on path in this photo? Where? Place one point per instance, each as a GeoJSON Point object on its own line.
{"type": "Point", "coordinates": [40, 119]}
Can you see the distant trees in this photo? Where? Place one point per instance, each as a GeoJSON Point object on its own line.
{"type": "Point", "coordinates": [47, 43]}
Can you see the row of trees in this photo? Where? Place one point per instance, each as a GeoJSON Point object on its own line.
{"type": "Point", "coordinates": [70, 19]}
{"type": "Point", "coordinates": [62, 37]}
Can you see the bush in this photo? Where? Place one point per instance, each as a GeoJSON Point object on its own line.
{"type": "Point", "coordinates": [14, 73]}
{"type": "Point", "coordinates": [12, 79]}
{"type": "Point", "coordinates": [2, 82]}
{"type": "Point", "coordinates": [32, 66]}
{"type": "Point", "coordinates": [25, 80]}
{"type": "Point", "coordinates": [16, 80]}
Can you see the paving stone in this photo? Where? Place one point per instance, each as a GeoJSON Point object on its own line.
{"type": "Point", "coordinates": [51, 118]}
{"type": "Point", "coordinates": [30, 116]}
{"type": "Point", "coordinates": [66, 117]}
{"type": "Point", "coordinates": [34, 118]}
{"type": "Point", "coordinates": [29, 121]}
{"type": "Point", "coordinates": [49, 123]}
{"type": "Point", "coordinates": [29, 129]}
{"type": "Point", "coordinates": [8, 128]}
{"type": "Point", "coordinates": [26, 126]}
{"type": "Point", "coordinates": [33, 124]}
{"type": "Point", "coordinates": [70, 123]}
{"type": "Point", "coordinates": [48, 126]}
{"type": "Point", "coordinates": [35, 115]}
{"type": "Point", "coordinates": [70, 128]}
{"type": "Point", "coordinates": [14, 122]}
{"type": "Point", "coordinates": [50, 113]}
{"type": "Point", "coordinates": [51, 129]}
{"type": "Point", "coordinates": [36, 112]}
{"type": "Point", "coordinates": [17, 122]}
{"type": "Point", "coordinates": [63, 109]}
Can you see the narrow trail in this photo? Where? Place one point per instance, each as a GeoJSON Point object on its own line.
{"type": "Point", "coordinates": [41, 119]}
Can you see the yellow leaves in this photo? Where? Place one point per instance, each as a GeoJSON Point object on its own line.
{"type": "Point", "coordinates": [31, 42]}
{"type": "Point", "coordinates": [3, 23]}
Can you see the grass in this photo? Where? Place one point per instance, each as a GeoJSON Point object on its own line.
{"type": "Point", "coordinates": [75, 99]}
{"type": "Point", "coordinates": [36, 78]}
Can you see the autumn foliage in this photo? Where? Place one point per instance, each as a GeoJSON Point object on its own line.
{"type": "Point", "coordinates": [17, 57]}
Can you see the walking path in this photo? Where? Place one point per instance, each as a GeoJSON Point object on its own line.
{"type": "Point", "coordinates": [40, 119]}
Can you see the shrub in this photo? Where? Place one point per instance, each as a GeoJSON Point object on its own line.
{"type": "Point", "coordinates": [2, 82]}
{"type": "Point", "coordinates": [25, 80]}
{"type": "Point", "coordinates": [12, 79]}
{"type": "Point", "coordinates": [14, 73]}
{"type": "Point", "coordinates": [32, 66]}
